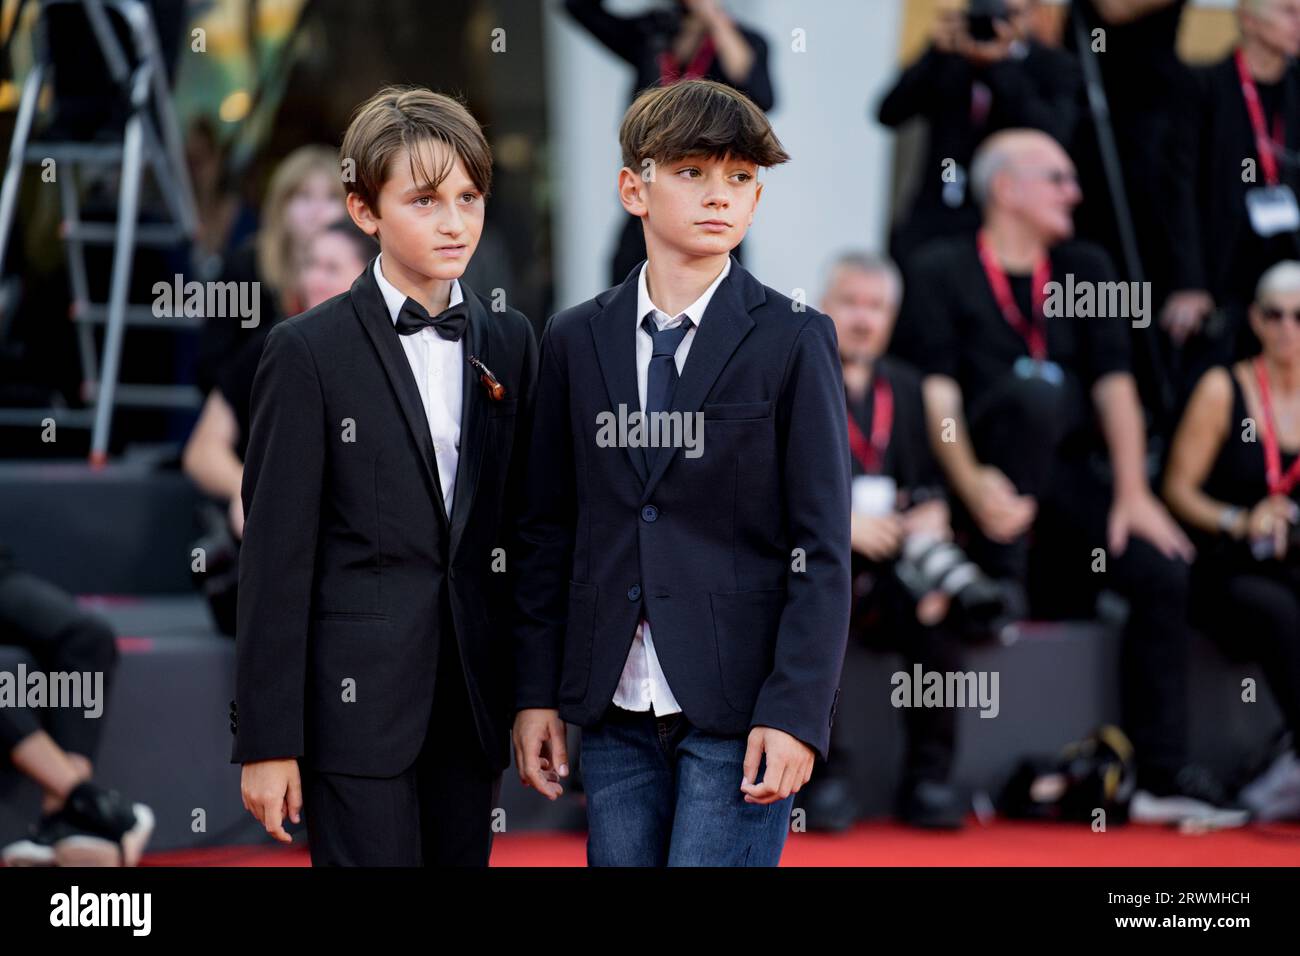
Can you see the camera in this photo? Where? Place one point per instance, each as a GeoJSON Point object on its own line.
{"type": "Point", "coordinates": [980, 18]}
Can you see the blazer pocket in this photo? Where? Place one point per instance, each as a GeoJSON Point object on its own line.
{"type": "Point", "coordinates": [578, 631]}
{"type": "Point", "coordinates": [745, 625]}
{"type": "Point", "coordinates": [737, 410]}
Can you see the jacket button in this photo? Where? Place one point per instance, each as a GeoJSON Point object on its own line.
{"type": "Point", "coordinates": [649, 513]}
{"type": "Point", "coordinates": [634, 593]}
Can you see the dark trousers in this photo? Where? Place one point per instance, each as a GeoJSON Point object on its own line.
{"type": "Point", "coordinates": [47, 623]}
{"type": "Point", "coordinates": [439, 812]}
{"type": "Point", "coordinates": [1019, 427]}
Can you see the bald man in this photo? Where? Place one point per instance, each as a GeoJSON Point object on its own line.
{"type": "Point", "coordinates": [1035, 419]}
{"type": "Point", "coordinates": [1232, 175]}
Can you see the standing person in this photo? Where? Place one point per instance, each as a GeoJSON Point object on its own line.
{"type": "Point", "coordinates": [1234, 477]}
{"type": "Point", "coordinates": [966, 89]}
{"type": "Point", "coordinates": [1233, 179]}
{"type": "Point", "coordinates": [373, 679]}
{"type": "Point", "coordinates": [682, 39]}
{"type": "Point", "coordinates": [730, 543]}
{"type": "Point", "coordinates": [1037, 425]}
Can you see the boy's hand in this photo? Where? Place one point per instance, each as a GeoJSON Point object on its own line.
{"type": "Point", "coordinates": [541, 750]}
{"type": "Point", "coordinates": [789, 765]}
{"type": "Point", "coordinates": [272, 790]}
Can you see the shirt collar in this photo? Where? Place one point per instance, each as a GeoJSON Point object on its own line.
{"type": "Point", "coordinates": [394, 298]}
{"type": "Point", "coordinates": [695, 310]}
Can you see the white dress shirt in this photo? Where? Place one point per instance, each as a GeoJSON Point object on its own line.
{"type": "Point", "coordinates": [438, 366]}
{"type": "Point", "coordinates": [642, 685]}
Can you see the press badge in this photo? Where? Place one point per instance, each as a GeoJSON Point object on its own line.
{"type": "Point", "coordinates": [1045, 369]}
{"type": "Point", "coordinates": [874, 495]}
{"type": "Point", "coordinates": [1272, 210]}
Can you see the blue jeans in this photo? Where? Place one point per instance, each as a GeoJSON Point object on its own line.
{"type": "Point", "coordinates": [661, 792]}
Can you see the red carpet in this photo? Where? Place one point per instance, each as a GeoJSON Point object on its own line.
{"type": "Point", "coordinates": [887, 844]}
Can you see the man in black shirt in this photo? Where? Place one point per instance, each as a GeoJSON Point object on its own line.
{"type": "Point", "coordinates": [1022, 337]}
{"type": "Point", "coordinates": [967, 89]}
{"type": "Point", "coordinates": [1234, 168]}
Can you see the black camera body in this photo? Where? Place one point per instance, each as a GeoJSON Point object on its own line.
{"type": "Point", "coordinates": [981, 16]}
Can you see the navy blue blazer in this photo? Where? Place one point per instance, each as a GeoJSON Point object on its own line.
{"type": "Point", "coordinates": [738, 557]}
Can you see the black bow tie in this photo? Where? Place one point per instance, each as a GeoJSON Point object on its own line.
{"type": "Point", "coordinates": [449, 323]}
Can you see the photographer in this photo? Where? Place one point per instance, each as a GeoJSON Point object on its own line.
{"type": "Point", "coordinates": [1234, 477]}
{"type": "Point", "coordinates": [914, 591]}
{"type": "Point", "coordinates": [984, 71]}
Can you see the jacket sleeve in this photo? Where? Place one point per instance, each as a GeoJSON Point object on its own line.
{"type": "Point", "coordinates": [800, 694]}
{"type": "Point", "coordinates": [546, 537]}
{"type": "Point", "coordinates": [281, 494]}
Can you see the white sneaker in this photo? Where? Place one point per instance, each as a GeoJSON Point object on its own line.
{"type": "Point", "coordinates": [1275, 793]}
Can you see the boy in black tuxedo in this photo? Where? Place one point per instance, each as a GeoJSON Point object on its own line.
{"type": "Point", "coordinates": [719, 521]}
{"type": "Point", "coordinates": [382, 473]}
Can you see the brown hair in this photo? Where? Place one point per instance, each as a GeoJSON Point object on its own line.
{"type": "Point", "coordinates": [693, 117]}
{"type": "Point", "coordinates": [400, 118]}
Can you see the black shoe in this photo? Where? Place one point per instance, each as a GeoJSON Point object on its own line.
{"type": "Point", "coordinates": [103, 828]}
{"type": "Point", "coordinates": [828, 805]}
{"type": "Point", "coordinates": [933, 805]}
{"type": "Point", "coordinates": [37, 848]}
{"type": "Point", "coordinates": [1190, 797]}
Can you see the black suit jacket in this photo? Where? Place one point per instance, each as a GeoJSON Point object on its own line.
{"type": "Point", "coordinates": [350, 570]}
{"type": "Point", "coordinates": [1205, 208]}
{"type": "Point", "coordinates": [747, 631]}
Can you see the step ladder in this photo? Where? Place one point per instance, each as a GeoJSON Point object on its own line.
{"type": "Point", "coordinates": [141, 78]}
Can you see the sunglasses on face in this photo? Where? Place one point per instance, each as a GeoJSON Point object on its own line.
{"type": "Point", "coordinates": [1057, 177]}
{"type": "Point", "coordinates": [1273, 313]}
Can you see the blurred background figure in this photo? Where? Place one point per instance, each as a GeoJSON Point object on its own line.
{"type": "Point", "coordinates": [983, 71]}
{"type": "Point", "coordinates": [82, 823]}
{"type": "Point", "coordinates": [214, 455]}
{"type": "Point", "coordinates": [304, 195]}
{"type": "Point", "coordinates": [1234, 478]}
{"type": "Point", "coordinates": [914, 591]}
{"type": "Point", "coordinates": [678, 39]}
{"type": "Point", "coordinates": [1231, 187]}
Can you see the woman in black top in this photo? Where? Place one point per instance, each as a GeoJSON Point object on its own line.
{"type": "Point", "coordinates": [1234, 477]}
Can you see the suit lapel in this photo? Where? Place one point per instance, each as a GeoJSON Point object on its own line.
{"type": "Point", "coordinates": [614, 331]}
{"type": "Point", "coordinates": [723, 326]}
{"type": "Point", "coordinates": [473, 416]}
{"type": "Point", "coordinates": [368, 302]}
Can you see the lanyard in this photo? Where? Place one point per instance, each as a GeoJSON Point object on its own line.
{"type": "Point", "coordinates": [670, 69]}
{"type": "Point", "coordinates": [871, 456]}
{"type": "Point", "coordinates": [1278, 483]}
{"type": "Point", "coordinates": [1033, 331]}
{"type": "Point", "coordinates": [1255, 109]}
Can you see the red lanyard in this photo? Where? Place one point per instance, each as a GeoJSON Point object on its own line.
{"type": "Point", "coordinates": [670, 69]}
{"type": "Point", "coordinates": [871, 456]}
{"type": "Point", "coordinates": [1278, 483]}
{"type": "Point", "coordinates": [1033, 331]}
{"type": "Point", "coordinates": [1255, 109]}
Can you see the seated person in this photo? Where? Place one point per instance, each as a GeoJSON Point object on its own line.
{"type": "Point", "coordinates": [1234, 477]}
{"type": "Point", "coordinates": [914, 591]}
{"type": "Point", "coordinates": [82, 824]}
{"type": "Point", "coordinates": [1038, 425]}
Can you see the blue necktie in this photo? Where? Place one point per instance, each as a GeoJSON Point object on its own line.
{"type": "Point", "coordinates": [661, 376]}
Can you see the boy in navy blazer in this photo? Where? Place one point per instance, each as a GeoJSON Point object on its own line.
{"type": "Point", "coordinates": [683, 580]}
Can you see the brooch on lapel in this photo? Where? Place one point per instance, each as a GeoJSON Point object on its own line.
{"type": "Point", "coordinates": [496, 391]}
